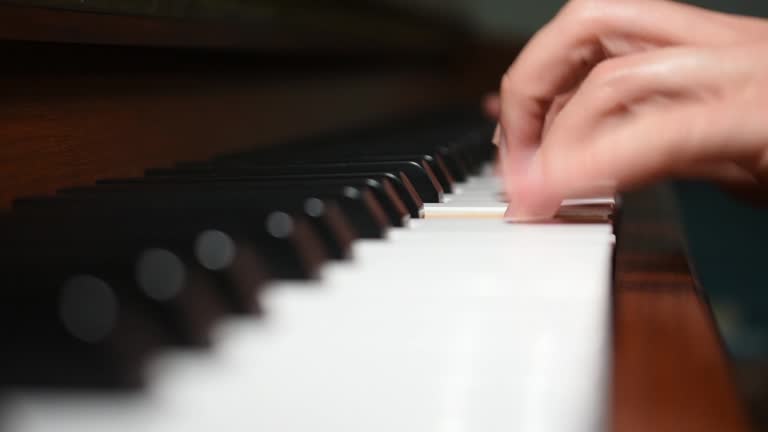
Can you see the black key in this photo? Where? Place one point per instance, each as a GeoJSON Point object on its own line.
{"type": "Point", "coordinates": [329, 222]}
{"type": "Point", "coordinates": [420, 175]}
{"type": "Point", "coordinates": [400, 183]}
{"type": "Point", "coordinates": [75, 331]}
{"type": "Point", "coordinates": [434, 163]}
{"type": "Point", "coordinates": [176, 292]}
{"type": "Point", "coordinates": [361, 200]}
{"type": "Point", "coordinates": [294, 251]}
{"type": "Point", "coordinates": [236, 268]}
{"type": "Point", "coordinates": [454, 164]}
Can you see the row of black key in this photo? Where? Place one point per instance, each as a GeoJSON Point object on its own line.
{"type": "Point", "coordinates": [96, 278]}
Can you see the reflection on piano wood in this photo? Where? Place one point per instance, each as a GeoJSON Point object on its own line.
{"type": "Point", "coordinates": [670, 370]}
{"type": "Point", "coordinates": [356, 280]}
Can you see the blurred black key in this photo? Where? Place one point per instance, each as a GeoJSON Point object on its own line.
{"type": "Point", "coordinates": [420, 175]}
{"type": "Point", "coordinates": [176, 293]}
{"type": "Point", "coordinates": [400, 183]}
{"type": "Point", "coordinates": [433, 163]}
{"type": "Point", "coordinates": [74, 331]}
{"type": "Point", "coordinates": [363, 201]}
{"type": "Point", "coordinates": [325, 216]}
{"type": "Point", "coordinates": [237, 269]}
{"type": "Point", "coordinates": [462, 142]}
{"type": "Point", "coordinates": [294, 251]}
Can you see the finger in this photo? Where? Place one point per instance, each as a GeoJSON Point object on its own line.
{"type": "Point", "coordinates": [641, 150]}
{"type": "Point", "coordinates": [561, 54]}
{"type": "Point", "coordinates": [629, 84]}
{"type": "Point", "coordinates": [630, 122]}
{"type": "Point", "coordinates": [537, 204]}
{"type": "Point", "coordinates": [557, 105]}
{"type": "Point", "coordinates": [492, 106]}
{"type": "Point", "coordinates": [623, 88]}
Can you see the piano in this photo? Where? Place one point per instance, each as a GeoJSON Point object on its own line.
{"type": "Point", "coordinates": [284, 217]}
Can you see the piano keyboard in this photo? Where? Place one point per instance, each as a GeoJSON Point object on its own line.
{"type": "Point", "coordinates": [375, 290]}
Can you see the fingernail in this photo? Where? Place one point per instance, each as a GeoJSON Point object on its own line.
{"type": "Point", "coordinates": [496, 135]}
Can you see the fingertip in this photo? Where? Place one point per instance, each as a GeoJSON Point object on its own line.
{"type": "Point", "coordinates": [515, 215]}
{"type": "Point", "coordinates": [492, 105]}
{"type": "Point", "coordinates": [530, 196]}
{"type": "Point", "coordinates": [532, 208]}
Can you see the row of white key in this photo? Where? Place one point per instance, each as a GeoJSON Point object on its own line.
{"type": "Point", "coordinates": [451, 325]}
{"type": "Point", "coordinates": [483, 197]}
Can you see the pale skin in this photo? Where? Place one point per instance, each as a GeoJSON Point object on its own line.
{"type": "Point", "coordinates": [613, 94]}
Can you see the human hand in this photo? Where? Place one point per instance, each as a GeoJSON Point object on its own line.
{"type": "Point", "coordinates": [612, 94]}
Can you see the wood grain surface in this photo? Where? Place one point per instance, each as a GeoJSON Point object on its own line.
{"type": "Point", "coordinates": [321, 29]}
{"type": "Point", "coordinates": [670, 369]}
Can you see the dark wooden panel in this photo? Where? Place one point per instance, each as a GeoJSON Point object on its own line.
{"type": "Point", "coordinates": [56, 132]}
{"type": "Point", "coordinates": [72, 113]}
{"type": "Point", "coordinates": [264, 29]}
{"type": "Point", "coordinates": [670, 369]}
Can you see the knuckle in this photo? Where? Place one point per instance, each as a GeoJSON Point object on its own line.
{"type": "Point", "coordinates": [608, 73]}
{"type": "Point", "coordinates": [607, 86]}
{"type": "Point", "coordinates": [584, 10]}
{"type": "Point", "coordinates": [597, 15]}
{"type": "Point", "coordinates": [601, 74]}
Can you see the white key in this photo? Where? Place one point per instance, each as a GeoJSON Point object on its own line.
{"type": "Point", "coordinates": [447, 326]}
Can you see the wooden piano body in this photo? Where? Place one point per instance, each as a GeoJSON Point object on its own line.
{"type": "Point", "coordinates": [91, 95]}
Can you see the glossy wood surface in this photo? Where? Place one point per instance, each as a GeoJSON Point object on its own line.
{"type": "Point", "coordinates": [52, 136]}
{"type": "Point", "coordinates": [90, 95]}
{"type": "Point", "coordinates": [73, 114]}
{"type": "Point", "coordinates": [670, 369]}
{"type": "Point", "coordinates": [245, 28]}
